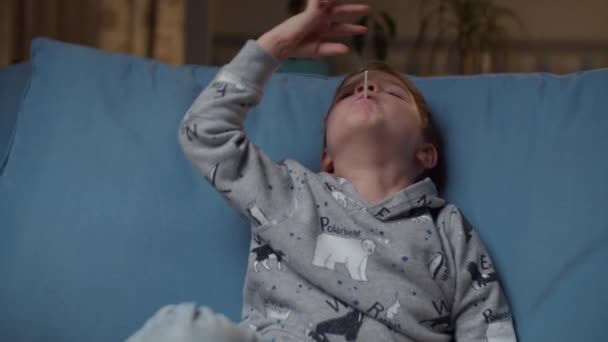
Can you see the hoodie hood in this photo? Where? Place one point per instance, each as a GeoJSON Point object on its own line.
{"type": "Point", "coordinates": [422, 194]}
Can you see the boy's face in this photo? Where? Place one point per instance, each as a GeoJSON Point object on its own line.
{"type": "Point", "coordinates": [388, 115]}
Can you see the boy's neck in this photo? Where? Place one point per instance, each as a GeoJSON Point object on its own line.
{"type": "Point", "coordinates": [376, 181]}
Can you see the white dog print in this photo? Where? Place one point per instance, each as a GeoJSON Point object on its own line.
{"type": "Point", "coordinates": [340, 197]}
{"type": "Point", "coordinates": [393, 310]}
{"type": "Point", "coordinates": [501, 331]}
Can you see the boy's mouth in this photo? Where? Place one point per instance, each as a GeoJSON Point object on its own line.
{"type": "Point", "coordinates": [363, 98]}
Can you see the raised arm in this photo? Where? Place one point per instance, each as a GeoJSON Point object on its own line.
{"type": "Point", "coordinates": [211, 133]}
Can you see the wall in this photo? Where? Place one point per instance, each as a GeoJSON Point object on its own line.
{"type": "Point", "coordinates": [559, 35]}
{"type": "Point", "coordinates": [126, 26]}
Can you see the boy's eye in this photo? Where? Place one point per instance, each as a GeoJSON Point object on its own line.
{"type": "Point", "coordinates": [344, 95]}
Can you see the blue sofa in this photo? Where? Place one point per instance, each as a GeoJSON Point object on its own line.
{"type": "Point", "coordinates": [103, 220]}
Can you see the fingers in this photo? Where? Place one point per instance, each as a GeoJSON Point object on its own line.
{"type": "Point", "coordinates": [350, 9]}
{"type": "Point", "coordinates": [322, 5]}
{"type": "Point", "coordinates": [338, 29]}
{"type": "Point", "coordinates": [331, 49]}
{"type": "Point", "coordinates": [319, 49]}
{"type": "Point", "coordinates": [165, 311]}
{"type": "Point", "coordinates": [185, 312]}
{"type": "Point", "coordinates": [333, 8]}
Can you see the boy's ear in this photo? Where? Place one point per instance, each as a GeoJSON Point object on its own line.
{"type": "Point", "coordinates": [427, 156]}
{"type": "Point", "coordinates": [327, 164]}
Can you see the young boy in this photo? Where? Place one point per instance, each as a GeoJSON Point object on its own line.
{"type": "Point", "coordinates": [365, 250]}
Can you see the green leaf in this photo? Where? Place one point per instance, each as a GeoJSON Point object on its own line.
{"type": "Point", "coordinates": [358, 44]}
{"type": "Point", "coordinates": [295, 6]}
{"type": "Point", "coordinates": [363, 20]}
{"type": "Point", "coordinates": [381, 47]}
{"type": "Point", "coordinates": [390, 23]}
{"type": "Point", "coordinates": [358, 41]}
{"type": "Point", "coordinates": [379, 40]}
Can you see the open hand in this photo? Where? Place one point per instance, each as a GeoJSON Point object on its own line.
{"type": "Point", "coordinates": [302, 35]}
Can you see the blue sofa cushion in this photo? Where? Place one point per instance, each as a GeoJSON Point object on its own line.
{"type": "Point", "coordinates": [14, 80]}
{"type": "Point", "coordinates": [104, 220]}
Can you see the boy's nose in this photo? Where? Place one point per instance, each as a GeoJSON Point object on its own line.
{"type": "Point", "coordinates": [371, 87]}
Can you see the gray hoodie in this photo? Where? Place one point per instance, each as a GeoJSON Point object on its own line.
{"type": "Point", "coordinates": [325, 265]}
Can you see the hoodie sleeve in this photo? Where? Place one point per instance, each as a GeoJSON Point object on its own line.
{"type": "Point", "coordinates": [212, 137]}
{"type": "Point", "coordinates": [480, 311]}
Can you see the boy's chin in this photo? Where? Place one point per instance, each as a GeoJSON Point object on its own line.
{"type": "Point", "coordinates": [365, 119]}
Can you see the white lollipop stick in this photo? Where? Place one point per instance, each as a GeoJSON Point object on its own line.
{"type": "Point", "coordinates": [365, 84]}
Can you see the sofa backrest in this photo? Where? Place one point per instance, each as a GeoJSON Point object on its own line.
{"type": "Point", "coordinates": [103, 220]}
{"type": "Point", "coordinates": [14, 80]}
